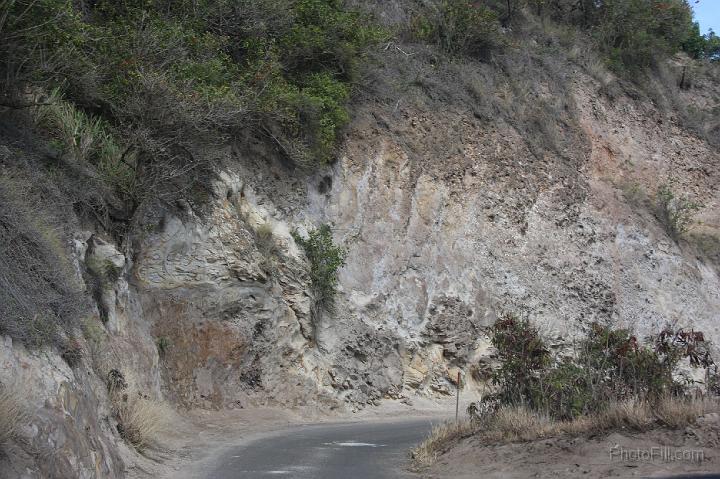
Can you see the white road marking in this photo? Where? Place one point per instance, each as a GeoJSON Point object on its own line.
{"type": "Point", "coordinates": [353, 444]}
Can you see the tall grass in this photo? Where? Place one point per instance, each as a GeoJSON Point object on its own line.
{"type": "Point", "coordinates": [87, 140]}
{"type": "Point", "coordinates": [141, 421]}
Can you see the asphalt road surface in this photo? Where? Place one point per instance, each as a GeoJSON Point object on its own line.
{"type": "Point", "coordinates": [367, 450]}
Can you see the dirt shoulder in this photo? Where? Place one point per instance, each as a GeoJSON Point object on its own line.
{"type": "Point", "coordinates": [693, 450]}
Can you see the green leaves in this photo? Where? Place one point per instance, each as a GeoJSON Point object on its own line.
{"type": "Point", "coordinates": [283, 67]}
{"type": "Point", "coordinates": [325, 260]}
{"type": "Point", "coordinates": [606, 365]}
{"type": "Point", "coordinates": [635, 33]}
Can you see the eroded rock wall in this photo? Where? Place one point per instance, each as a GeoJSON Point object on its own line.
{"type": "Point", "coordinates": [439, 246]}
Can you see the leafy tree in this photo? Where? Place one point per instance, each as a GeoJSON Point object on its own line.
{"type": "Point", "coordinates": [712, 46]}
{"type": "Point", "coordinates": [634, 34]}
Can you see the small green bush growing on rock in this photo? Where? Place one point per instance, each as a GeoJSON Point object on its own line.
{"type": "Point", "coordinates": [72, 352]}
{"type": "Point", "coordinates": [675, 213]}
{"type": "Point", "coordinates": [265, 240]}
{"type": "Point", "coordinates": [141, 420]}
{"type": "Point", "coordinates": [163, 344]}
{"type": "Point", "coordinates": [325, 260]}
{"type": "Point", "coordinates": [104, 270]}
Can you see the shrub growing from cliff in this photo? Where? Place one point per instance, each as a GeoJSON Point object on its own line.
{"type": "Point", "coordinates": [142, 422]}
{"type": "Point", "coordinates": [675, 213]}
{"type": "Point", "coordinates": [325, 260]}
{"type": "Point", "coordinates": [458, 27]}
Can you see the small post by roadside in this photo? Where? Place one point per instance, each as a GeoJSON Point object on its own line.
{"type": "Point", "coordinates": [457, 399]}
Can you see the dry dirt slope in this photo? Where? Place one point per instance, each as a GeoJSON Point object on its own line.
{"type": "Point", "coordinates": [658, 453]}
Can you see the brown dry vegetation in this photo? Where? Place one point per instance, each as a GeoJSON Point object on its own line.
{"type": "Point", "coordinates": [519, 424]}
{"type": "Point", "coordinates": [141, 421]}
{"type": "Point", "coordinates": [12, 413]}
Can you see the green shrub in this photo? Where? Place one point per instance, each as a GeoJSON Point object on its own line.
{"type": "Point", "coordinates": [608, 366]}
{"type": "Point", "coordinates": [163, 344]}
{"type": "Point", "coordinates": [676, 214]}
{"type": "Point", "coordinates": [264, 239]}
{"type": "Point", "coordinates": [106, 272]}
{"type": "Point", "coordinates": [458, 27]}
{"type": "Point", "coordinates": [523, 356]}
{"type": "Point", "coordinates": [167, 77]}
{"type": "Point", "coordinates": [72, 352]}
{"type": "Point", "coordinates": [567, 391]}
{"type": "Point", "coordinates": [619, 367]}
{"type": "Point", "coordinates": [325, 260]}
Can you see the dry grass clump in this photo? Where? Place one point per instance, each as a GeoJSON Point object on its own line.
{"type": "Point", "coordinates": [513, 423]}
{"type": "Point", "coordinates": [141, 421]}
{"type": "Point", "coordinates": [676, 413]}
{"type": "Point", "coordinates": [629, 414]}
{"type": "Point", "coordinates": [440, 439]}
{"type": "Point", "coordinates": [517, 423]}
{"type": "Point", "coordinates": [12, 413]}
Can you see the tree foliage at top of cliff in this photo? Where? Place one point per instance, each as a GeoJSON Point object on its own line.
{"type": "Point", "coordinates": [458, 27]}
{"type": "Point", "coordinates": [633, 34]}
{"type": "Point", "coordinates": [167, 75]}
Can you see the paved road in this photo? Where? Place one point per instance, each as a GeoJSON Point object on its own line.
{"type": "Point", "coordinates": [367, 450]}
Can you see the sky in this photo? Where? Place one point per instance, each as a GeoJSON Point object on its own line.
{"type": "Point", "coordinates": [707, 13]}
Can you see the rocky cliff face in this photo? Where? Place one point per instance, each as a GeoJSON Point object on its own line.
{"type": "Point", "coordinates": [450, 217]}
{"type": "Point", "coordinates": [439, 246]}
